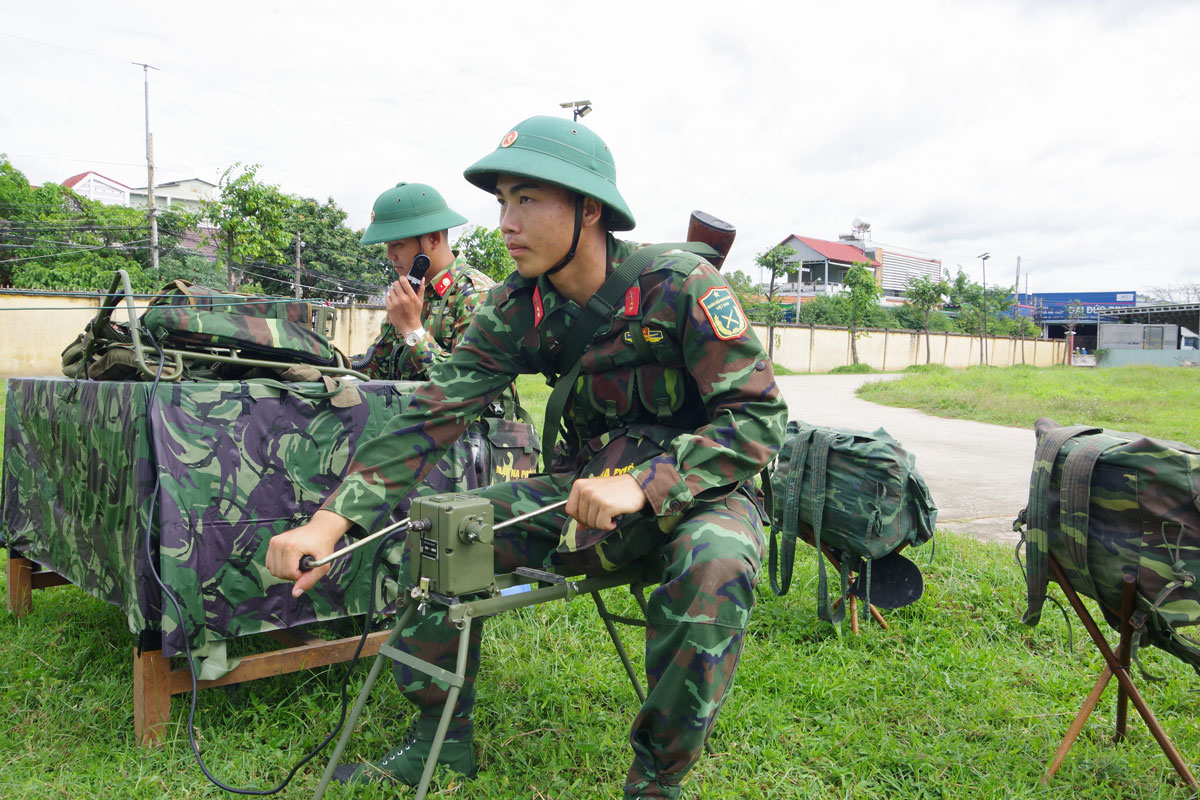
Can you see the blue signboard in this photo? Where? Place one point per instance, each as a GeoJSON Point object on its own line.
{"type": "Point", "coordinates": [1055, 305]}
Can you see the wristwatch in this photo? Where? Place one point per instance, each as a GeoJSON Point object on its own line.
{"type": "Point", "coordinates": [412, 337]}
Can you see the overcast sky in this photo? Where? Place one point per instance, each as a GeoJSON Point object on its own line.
{"type": "Point", "coordinates": [1064, 132]}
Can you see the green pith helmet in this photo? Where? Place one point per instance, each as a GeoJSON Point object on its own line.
{"type": "Point", "coordinates": [557, 151]}
{"type": "Point", "coordinates": [406, 210]}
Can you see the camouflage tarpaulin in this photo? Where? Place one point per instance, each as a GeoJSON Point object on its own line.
{"type": "Point", "coordinates": [235, 463]}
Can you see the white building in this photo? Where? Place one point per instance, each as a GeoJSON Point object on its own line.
{"type": "Point", "coordinates": [820, 266]}
{"type": "Point", "coordinates": [95, 186]}
{"type": "Point", "coordinates": [188, 194]}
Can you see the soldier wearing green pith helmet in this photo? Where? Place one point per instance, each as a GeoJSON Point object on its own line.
{"type": "Point", "coordinates": [428, 315]}
{"type": "Point", "coordinates": [675, 360]}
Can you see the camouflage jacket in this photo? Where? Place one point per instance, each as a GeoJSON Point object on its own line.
{"type": "Point", "coordinates": [696, 366]}
{"type": "Point", "coordinates": [451, 299]}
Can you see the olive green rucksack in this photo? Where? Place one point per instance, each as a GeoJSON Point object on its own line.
{"type": "Point", "coordinates": [860, 495]}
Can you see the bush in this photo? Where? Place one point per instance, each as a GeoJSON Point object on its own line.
{"type": "Point", "coordinates": [852, 369]}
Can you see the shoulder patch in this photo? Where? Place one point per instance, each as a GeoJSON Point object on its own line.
{"type": "Point", "coordinates": [443, 284]}
{"type": "Point", "coordinates": [724, 313]}
{"type": "Point", "coordinates": [538, 311]}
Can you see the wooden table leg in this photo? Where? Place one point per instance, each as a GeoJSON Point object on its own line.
{"type": "Point", "coordinates": [20, 585]}
{"type": "Point", "coordinates": [151, 696]}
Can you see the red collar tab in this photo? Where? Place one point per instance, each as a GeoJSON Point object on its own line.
{"type": "Point", "coordinates": [443, 283]}
{"type": "Point", "coordinates": [538, 311]}
{"type": "Point", "coordinates": [633, 301]}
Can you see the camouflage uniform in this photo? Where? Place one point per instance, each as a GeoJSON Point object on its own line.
{"type": "Point", "coordinates": [696, 367]}
{"type": "Point", "coordinates": [451, 299]}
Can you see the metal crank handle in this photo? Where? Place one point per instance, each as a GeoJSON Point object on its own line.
{"type": "Point", "coordinates": [307, 562]}
{"type": "Point", "coordinates": [534, 513]}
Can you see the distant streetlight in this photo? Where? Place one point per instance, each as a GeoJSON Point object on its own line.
{"type": "Point", "coordinates": [579, 108]}
{"type": "Point", "coordinates": [983, 258]}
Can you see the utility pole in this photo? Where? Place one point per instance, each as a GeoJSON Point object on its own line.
{"type": "Point", "coordinates": [153, 210]}
{"type": "Point", "coordinates": [983, 258]}
{"type": "Point", "coordinates": [1017, 289]}
{"type": "Point", "coordinates": [299, 292]}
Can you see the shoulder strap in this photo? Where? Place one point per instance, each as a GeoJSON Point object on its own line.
{"type": "Point", "coordinates": [820, 468]}
{"type": "Point", "coordinates": [1075, 492]}
{"type": "Point", "coordinates": [789, 519]}
{"type": "Point", "coordinates": [1037, 548]}
{"type": "Point", "coordinates": [598, 310]}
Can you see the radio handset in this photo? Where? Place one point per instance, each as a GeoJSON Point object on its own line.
{"type": "Point", "coordinates": [419, 267]}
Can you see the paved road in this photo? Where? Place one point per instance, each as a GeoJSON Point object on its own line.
{"type": "Point", "coordinates": [978, 473]}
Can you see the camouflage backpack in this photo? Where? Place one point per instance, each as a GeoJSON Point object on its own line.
{"type": "Point", "coordinates": [214, 335]}
{"type": "Point", "coordinates": [1108, 504]}
{"type": "Point", "coordinates": [858, 494]}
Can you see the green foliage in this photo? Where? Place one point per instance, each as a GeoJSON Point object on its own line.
{"type": "Point", "coordinates": [825, 310]}
{"type": "Point", "coordinates": [744, 289]}
{"type": "Point", "coordinates": [852, 369]}
{"type": "Point", "coordinates": [864, 294]}
{"type": "Point", "coordinates": [251, 217]}
{"type": "Point", "coordinates": [774, 261]}
{"type": "Point", "coordinates": [863, 301]}
{"type": "Point", "coordinates": [51, 238]}
{"type": "Point", "coordinates": [1160, 402]}
{"type": "Point", "coordinates": [927, 368]}
{"type": "Point", "coordinates": [334, 265]}
{"type": "Point", "coordinates": [484, 249]}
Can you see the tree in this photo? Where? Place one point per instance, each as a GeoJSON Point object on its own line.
{"type": "Point", "coordinates": [484, 249]}
{"type": "Point", "coordinates": [863, 302]}
{"type": "Point", "coordinates": [743, 288]}
{"type": "Point", "coordinates": [926, 293]}
{"type": "Point", "coordinates": [251, 217]}
{"type": "Point", "coordinates": [334, 264]}
{"type": "Point", "coordinates": [773, 260]}
{"type": "Point", "coordinates": [51, 238]}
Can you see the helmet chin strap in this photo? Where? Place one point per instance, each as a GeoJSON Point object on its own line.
{"type": "Point", "coordinates": [574, 239]}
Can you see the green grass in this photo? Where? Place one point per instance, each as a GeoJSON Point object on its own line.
{"type": "Point", "coordinates": [1161, 402]}
{"type": "Point", "coordinates": [534, 393]}
{"type": "Point", "coordinates": [956, 700]}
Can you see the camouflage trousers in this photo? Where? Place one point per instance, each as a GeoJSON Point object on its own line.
{"type": "Point", "coordinates": [698, 615]}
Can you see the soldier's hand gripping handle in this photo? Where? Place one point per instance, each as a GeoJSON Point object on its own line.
{"type": "Point", "coordinates": [316, 539]}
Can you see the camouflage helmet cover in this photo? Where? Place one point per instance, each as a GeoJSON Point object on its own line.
{"type": "Point", "coordinates": [407, 210]}
{"type": "Point", "coordinates": [557, 151]}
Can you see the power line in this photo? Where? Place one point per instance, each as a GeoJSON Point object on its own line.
{"type": "Point", "coordinates": [77, 250]}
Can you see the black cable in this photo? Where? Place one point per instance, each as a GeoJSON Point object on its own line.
{"type": "Point", "coordinates": [187, 646]}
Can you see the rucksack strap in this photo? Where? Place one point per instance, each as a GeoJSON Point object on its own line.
{"type": "Point", "coordinates": [823, 440]}
{"type": "Point", "coordinates": [1074, 497]}
{"type": "Point", "coordinates": [1037, 548]}
{"type": "Point", "coordinates": [598, 311]}
{"type": "Point", "coordinates": [790, 517]}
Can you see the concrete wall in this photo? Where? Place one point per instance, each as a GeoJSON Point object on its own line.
{"type": "Point", "coordinates": [820, 349]}
{"type": "Point", "coordinates": [1161, 358]}
{"type": "Point", "coordinates": [34, 329]}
